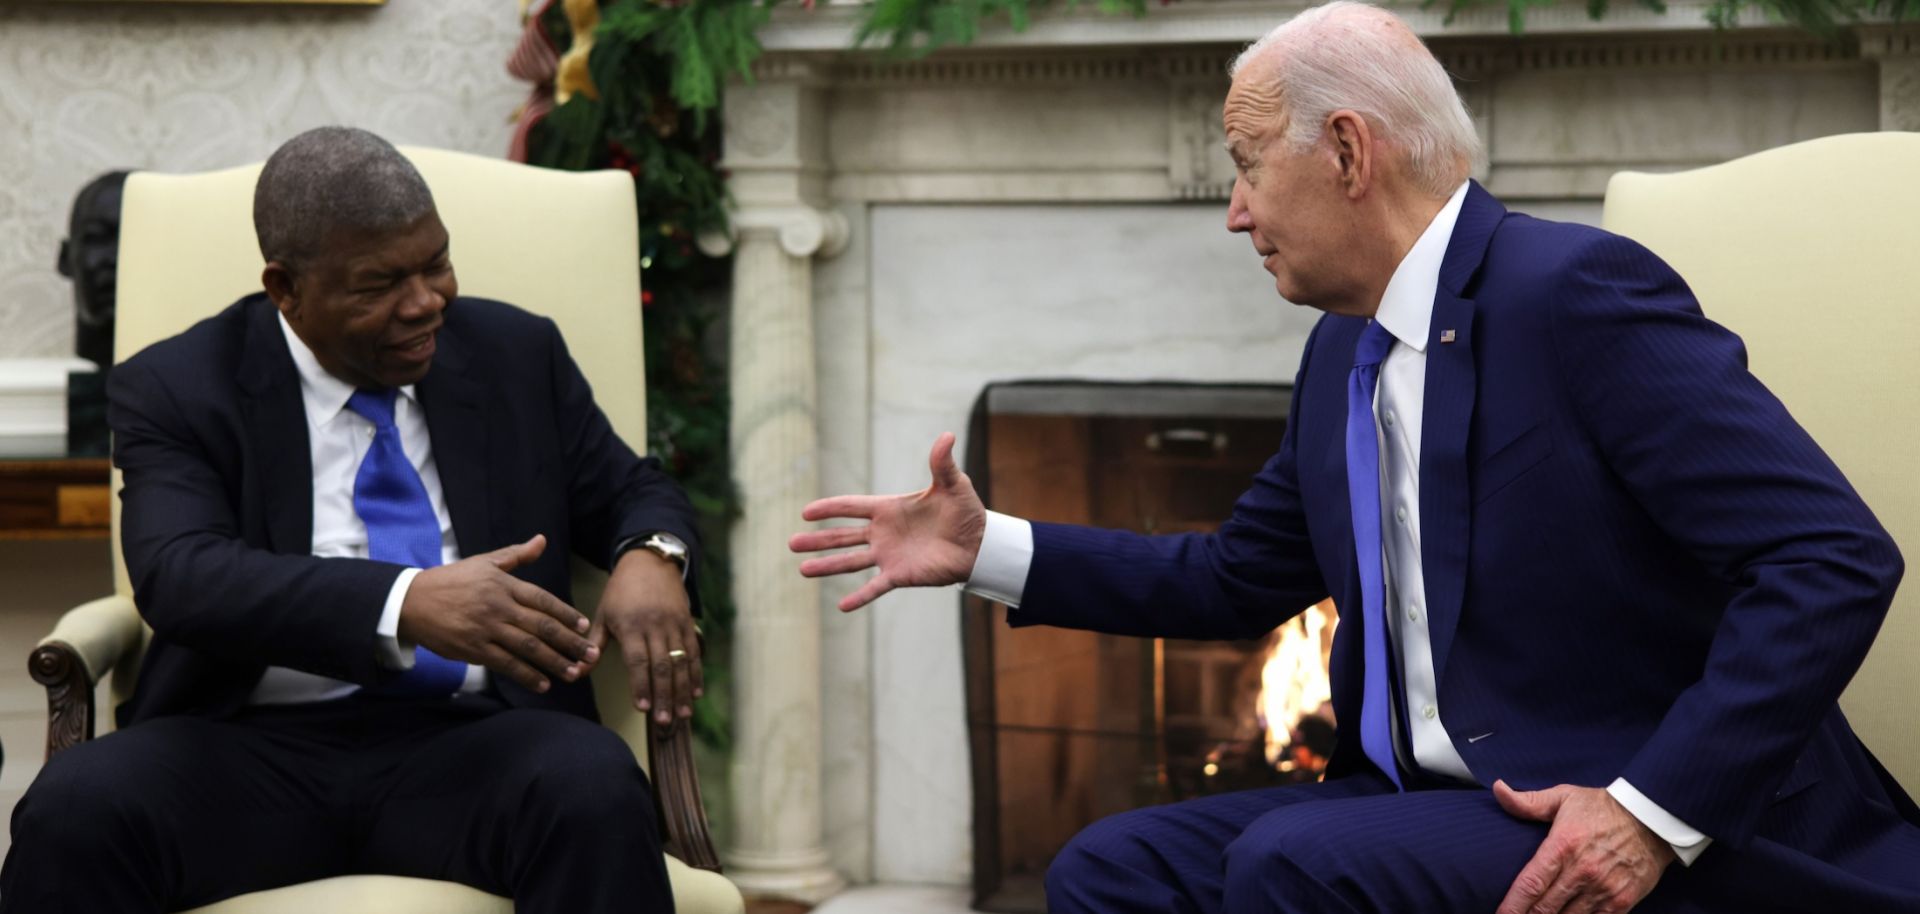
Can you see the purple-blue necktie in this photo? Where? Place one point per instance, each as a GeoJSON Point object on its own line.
{"type": "Point", "coordinates": [401, 528]}
{"type": "Point", "coordinates": [1363, 490]}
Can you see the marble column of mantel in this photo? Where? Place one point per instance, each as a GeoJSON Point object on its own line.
{"type": "Point", "coordinates": [778, 848]}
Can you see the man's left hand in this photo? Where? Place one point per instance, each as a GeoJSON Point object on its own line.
{"type": "Point", "coordinates": [645, 607]}
{"type": "Point", "coordinates": [1597, 859]}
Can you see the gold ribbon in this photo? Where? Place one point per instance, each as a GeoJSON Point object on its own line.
{"type": "Point", "coordinates": [584, 17]}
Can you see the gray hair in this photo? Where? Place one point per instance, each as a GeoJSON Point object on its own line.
{"type": "Point", "coordinates": [330, 179]}
{"type": "Point", "coordinates": [1354, 56]}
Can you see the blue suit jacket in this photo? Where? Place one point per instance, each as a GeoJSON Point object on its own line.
{"type": "Point", "coordinates": [1637, 563]}
{"type": "Point", "coordinates": [210, 432]}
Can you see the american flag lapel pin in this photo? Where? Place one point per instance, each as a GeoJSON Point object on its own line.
{"type": "Point", "coordinates": [1446, 336]}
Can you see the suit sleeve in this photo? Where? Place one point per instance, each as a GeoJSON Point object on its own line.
{"type": "Point", "coordinates": [1240, 581]}
{"type": "Point", "coordinates": [1721, 467]}
{"type": "Point", "coordinates": [197, 582]}
{"type": "Point", "coordinates": [614, 494]}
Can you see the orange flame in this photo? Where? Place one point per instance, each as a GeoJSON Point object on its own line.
{"type": "Point", "coordinates": [1293, 681]}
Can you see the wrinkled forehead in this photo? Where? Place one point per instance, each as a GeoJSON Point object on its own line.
{"type": "Point", "coordinates": [1253, 112]}
{"type": "Point", "coordinates": [357, 251]}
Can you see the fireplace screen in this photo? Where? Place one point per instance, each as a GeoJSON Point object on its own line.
{"type": "Point", "coordinates": [1067, 727]}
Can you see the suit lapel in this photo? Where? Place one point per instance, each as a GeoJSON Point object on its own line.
{"type": "Point", "coordinates": [455, 405]}
{"type": "Point", "coordinates": [276, 423]}
{"type": "Point", "coordinates": [1446, 509]}
{"type": "Point", "coordinates": [1445, 506]}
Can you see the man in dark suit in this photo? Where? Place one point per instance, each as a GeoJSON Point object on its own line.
{"type": "Point", "coordinates": [349, 503]}
{"type": "Point", "coordinates": [1599, 592]}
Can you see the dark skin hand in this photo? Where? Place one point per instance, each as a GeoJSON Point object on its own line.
{"type": "Point", "coordinates": [475, 610]}
{"type": "Point", "coordinates": [646, 608]}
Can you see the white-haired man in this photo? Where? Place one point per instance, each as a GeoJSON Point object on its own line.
{"type": "Point", "coordinates": [1583, 557]}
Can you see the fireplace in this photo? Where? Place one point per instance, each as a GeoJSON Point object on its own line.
{"type": "Point", "coordinates": [1067, 727]}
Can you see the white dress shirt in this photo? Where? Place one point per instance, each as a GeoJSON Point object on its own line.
{"type": "Point", "coordinates": [1406, 311]}
{"type": "Point", "coordinates": [338, 439]}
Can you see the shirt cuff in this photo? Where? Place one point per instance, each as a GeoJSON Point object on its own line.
{"type": "Point", "coordinates": [1006, 553]}
{"type": "Point", "coordinates": [1688, 843]}
{"type": "Point", "coordinates": [387, 648]}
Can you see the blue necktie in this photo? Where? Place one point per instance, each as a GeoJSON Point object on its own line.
{"type": "Point", "coordinates": [1363, 489]}
{"type": "Point", "coordinates": [401, 528]}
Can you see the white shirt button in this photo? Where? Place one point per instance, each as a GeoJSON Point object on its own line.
{"type": "Point", "coordinates": [1429, 712]}
{"type": "Point", "coordinates": [1413, 613]}
{"type": "Point", "coordinates": [1388, 418]}
{"type": "Point", "coordinates": [1400, 514]}
{"type": "Point", "coordinates": [370, 431]}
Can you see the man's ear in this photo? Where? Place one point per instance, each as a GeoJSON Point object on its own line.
{"type": "Point", "coordinates": [282, 288]}
{"type": "Point", "coordinates": [64, 265]}
{"type": "Point", "coordinates": [1353, 149]}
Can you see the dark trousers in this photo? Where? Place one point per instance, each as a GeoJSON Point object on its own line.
{"type": "Point", "coordinates": [1345, 846]}
{"type": "Point", "coordinates": [546, 808]}
{"type": "Point", "coordinates": [1355, 845]}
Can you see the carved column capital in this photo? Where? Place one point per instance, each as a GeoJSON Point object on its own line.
{"type": "Point", "coordinates": [802, 231]}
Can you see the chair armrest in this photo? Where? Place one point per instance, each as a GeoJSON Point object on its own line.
{"type": "Point", "coordinates": [677, 784]}
{"type": "Point", "coordinates": [89, 641]}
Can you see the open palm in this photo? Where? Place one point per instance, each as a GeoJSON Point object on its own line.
{"type": "Point", "coordinates": [928, 538]}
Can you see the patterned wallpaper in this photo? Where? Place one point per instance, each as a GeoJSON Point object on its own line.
{"type": "Point", "coordinates": [87, 88]}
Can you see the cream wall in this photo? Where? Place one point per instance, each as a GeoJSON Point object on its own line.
{"type": "Point", "coordinates": [87, 88]}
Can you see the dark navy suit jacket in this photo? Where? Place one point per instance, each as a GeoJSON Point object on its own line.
{"type": "Point", "coordinates": [1637, 564]}
{"type": "Point", "coordinates": [210, 432]}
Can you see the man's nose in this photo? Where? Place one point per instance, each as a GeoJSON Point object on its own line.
{"type": "Point", "coordinates": [1238, 219]}
{"type": "Point", "coordinates": [421, 301]}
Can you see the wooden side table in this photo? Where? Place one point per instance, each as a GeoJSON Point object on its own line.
{"type": "Point", "coordinates": [55, 499]}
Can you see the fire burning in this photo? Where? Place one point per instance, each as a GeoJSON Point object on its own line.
{"type": "Point", "coordinates": [1293, 681]}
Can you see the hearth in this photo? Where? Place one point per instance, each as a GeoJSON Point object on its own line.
{"type": "Point", "coordinates": [1066, 727]}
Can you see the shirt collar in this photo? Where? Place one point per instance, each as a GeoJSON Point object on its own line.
{"type": "Point", "coordinates": [325, 395]}
{"type": "Point", "coordinates": [1406, 308]}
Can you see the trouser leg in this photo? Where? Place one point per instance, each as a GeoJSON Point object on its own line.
{"type": "Point", "coordinates": [174, 813]}
{"type": "Point", "coordinates": [544, 807]}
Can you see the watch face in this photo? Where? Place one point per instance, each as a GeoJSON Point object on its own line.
{"type": "Point", "coordinates": [668, 546]}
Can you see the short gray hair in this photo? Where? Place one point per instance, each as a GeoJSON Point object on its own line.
{"type": "Point", "coordinates": [1339, 56]}
{"type": "Point", "coordinates": [330, 179]}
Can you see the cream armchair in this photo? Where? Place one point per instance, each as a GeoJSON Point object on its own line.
{"type": "Point", "coordinates": [1811, 253]}
{"type": "Point", "coordinates": [560, 244]}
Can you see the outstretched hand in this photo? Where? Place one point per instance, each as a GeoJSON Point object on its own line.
{"type": "Point", "coordinates": [927, 538]}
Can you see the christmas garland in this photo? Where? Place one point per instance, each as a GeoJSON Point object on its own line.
{"type": "Point", "coordinates": [644, 101]}
{"type": "Point", "coordinates": [636, 85]}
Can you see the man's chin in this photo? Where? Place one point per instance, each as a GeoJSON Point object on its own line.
{"type": "Point", "coordinates": [1288, 290]}
{"type": "Point", "coordinates": [403, 377]}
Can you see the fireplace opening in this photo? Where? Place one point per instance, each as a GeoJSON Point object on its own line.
{"type": "Point", "coordinates": [1067, 727]}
